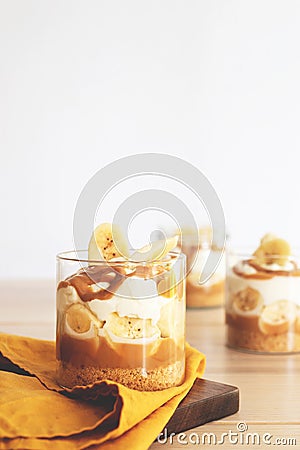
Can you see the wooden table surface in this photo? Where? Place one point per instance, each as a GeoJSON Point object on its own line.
{"type": "Point", "coordinates": [269, 384]}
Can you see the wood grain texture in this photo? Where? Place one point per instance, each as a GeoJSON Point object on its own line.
{"type": "Point", "coordinates": [206, 401]}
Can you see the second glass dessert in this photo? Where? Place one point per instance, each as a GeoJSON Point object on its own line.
{"type": "Point", "coordinates": [263, 298]}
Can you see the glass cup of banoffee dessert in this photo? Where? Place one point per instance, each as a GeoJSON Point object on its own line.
{"type": "Point", "coordinates": [263, 298]}
{"type": "Point", "coordinates": [197, 246]}
{"type": "Point", "coordinates": [121, 314]}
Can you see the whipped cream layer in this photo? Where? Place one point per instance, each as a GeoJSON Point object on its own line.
{"type": "Point", "coordinates": [277, 287]}
{"type": "Point", "coordinates": [148, 308]}
{"type": "Point", "coordinates": [143, 308]}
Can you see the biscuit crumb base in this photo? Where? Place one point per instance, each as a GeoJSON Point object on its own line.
{"type": "Point", "coordinates": [259, 342]}
{"type": "Point", "coordinates": [138, 378]}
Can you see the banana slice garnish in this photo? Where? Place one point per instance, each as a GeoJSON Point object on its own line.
{"type": "Point", "coordinates": [108, 242]}
{"type": "Point", "coordinates": [155, 251]}
{"type": "Point", "coordinates": [278, 317]}
{"type": "Point", "coordinates": [247, 302]}
{"type": "Point", "coordinates": [272, 250]}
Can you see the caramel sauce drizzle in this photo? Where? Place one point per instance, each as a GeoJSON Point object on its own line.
{"type": "Point", "coordinates": [263, 273]}
{"type": "Point", "coordinates": [83, 280]}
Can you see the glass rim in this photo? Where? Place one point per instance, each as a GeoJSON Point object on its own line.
{"type": "Point", "coordinates": [63, 256]}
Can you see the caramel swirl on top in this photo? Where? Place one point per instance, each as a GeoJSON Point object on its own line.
{"type": "Point", "coordinates": [264, 273]}
{"type": "Point", "coordinates": [85, 279]}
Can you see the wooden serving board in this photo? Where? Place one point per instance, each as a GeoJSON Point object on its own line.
{"type": "Point", "coordinates": [206, 401]}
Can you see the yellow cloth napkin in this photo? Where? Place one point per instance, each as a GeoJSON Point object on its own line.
{"type": "Point", "coordinates": [36, 413]}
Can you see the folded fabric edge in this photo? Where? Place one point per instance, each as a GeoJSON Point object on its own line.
{"type": "Point", "coordinates": [8, 366]}
{"type": "Point", "coordinates": [150, 428]}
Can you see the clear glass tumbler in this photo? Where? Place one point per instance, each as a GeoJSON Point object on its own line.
{"type": "Point", "coordinates": [263, 303]}
{"type": "Point", "coordinates": [121, 320]}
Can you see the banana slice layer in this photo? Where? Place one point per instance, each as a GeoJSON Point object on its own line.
{"type": "Point", "coordinates": [278, 317]}
{"type": "Point", "coordinates": [247, 302]}
{"type": "Point", "coordinates": [80, 322]}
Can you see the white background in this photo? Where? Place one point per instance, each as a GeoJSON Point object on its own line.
{"type": "Point", "coordinates": [83, 83]}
